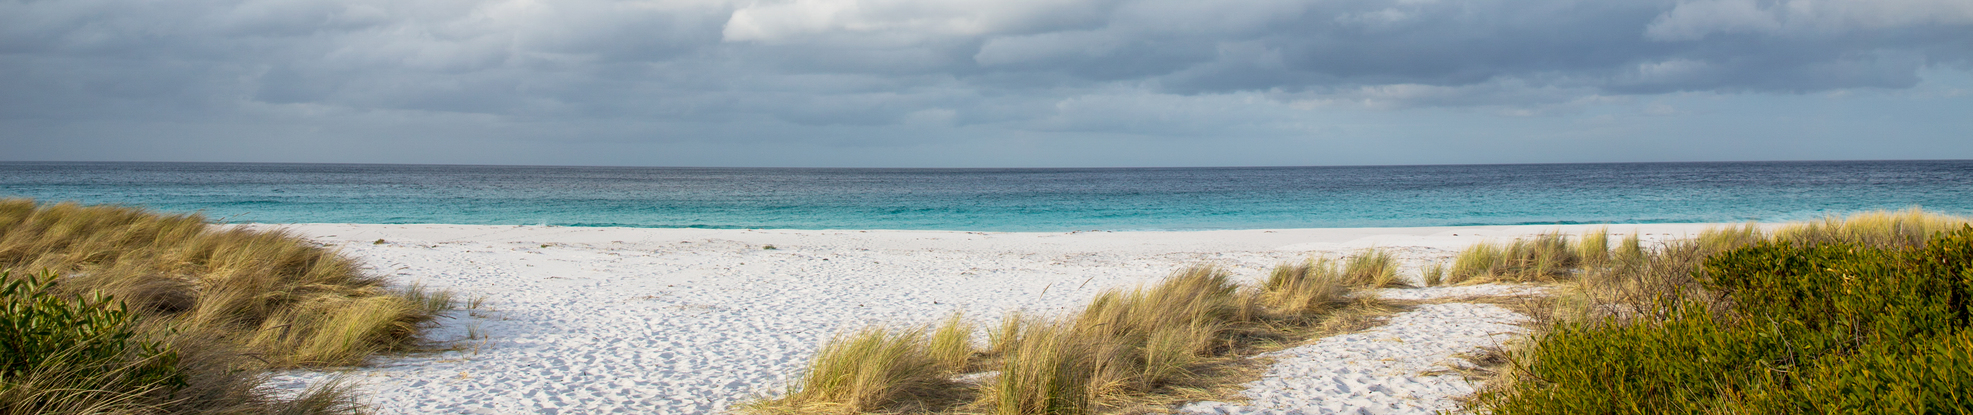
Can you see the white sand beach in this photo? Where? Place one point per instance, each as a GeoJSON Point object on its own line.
{"type": "Point", "coordinates": [691, 321]}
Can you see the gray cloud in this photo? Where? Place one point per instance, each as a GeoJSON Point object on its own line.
{"type": "Point", "coordinates": [1098, 66]}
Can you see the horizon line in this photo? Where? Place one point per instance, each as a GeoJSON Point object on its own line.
{"type": "Point", "coordinates": [972, 168]}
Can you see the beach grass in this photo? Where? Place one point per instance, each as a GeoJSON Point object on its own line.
{"type": "Point", "coordinates": [1150, 347]}
{"type": "Point", "coordinates": [290, 301]}
{"type": "Point", "coordinates": [1593, 249]}
{"type": "Point", "coordinates": [951, 344]}
{"type": "Point", "coordinates": [1126, 351]}
{"type": "Point", "coordinates": [70, 354]}
{"type": "Point", "coordinates": [1858, 314]}
{"type": "Point", "coordinates": [228, 302]}
{"type": "Point", "coordinates": [1433, 274]}
{"type": "Point", "coordinates": [1910, 227]}
{"type": "Point", "coordinates": [1546, 257]}
{"type": "Point", "coordinates": [864, 371]}
{"type": "Point", "coordinates": [1306, 288]}
{"type": "Point", "coordinates": [1374, 268]}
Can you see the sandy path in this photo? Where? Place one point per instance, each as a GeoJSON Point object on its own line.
{"type": "Point", "coordinates": [1384, 370]}
{"type": "Point", "coordinates": [684, 321]}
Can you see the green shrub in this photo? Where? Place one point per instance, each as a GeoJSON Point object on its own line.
{"type": "Point", "coordinates": [1603, 367]}
{"type": "Point", "coordinates": [1826, 328]}
{"type": "Point", "coordinates": [1931, 375]}
{"type": "Point", "coordinates": [51, 345]}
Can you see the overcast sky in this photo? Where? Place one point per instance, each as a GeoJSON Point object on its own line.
{"type": "Point", "coordinates": [984, 83]}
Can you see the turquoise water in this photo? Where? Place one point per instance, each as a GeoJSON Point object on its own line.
{"type": "Point", "coordinates": [1008, 199]}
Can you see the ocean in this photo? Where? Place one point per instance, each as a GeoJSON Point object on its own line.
{"type": "Point", "coordinates": [1114, 199]}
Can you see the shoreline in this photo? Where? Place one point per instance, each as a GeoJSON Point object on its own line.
{"type": "Point", "coordinates": [353, 232]}
{"type": "Point", "coordinates": [675, 320]}
{"type": "Point", "coordinates": [1077, 230]}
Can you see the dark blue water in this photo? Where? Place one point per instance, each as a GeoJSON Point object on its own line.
{"type": "Point", "coordinates": [1008, 199]}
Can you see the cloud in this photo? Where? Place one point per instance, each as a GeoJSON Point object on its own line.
{"type": "Point", "coordinates": [1696, 20]}
{"type": "Point", "coordinates": [1190, 48]}
{"type": "Point", "coordinates": [1123, 66]}
{"type": "Point", "coordinates": [901, 22]}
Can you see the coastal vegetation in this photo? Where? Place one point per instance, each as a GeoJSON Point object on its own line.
{"type": "Point", "coordinates": [115, 309]}
{"type": "Point", "coordinates": [1861, 314]}
{"type": "Point", "coordinates": [1864, 313]}
{"type": "Point", "coordinates": [1127, 350]}
{"type": "Point", "coordinates": [119, 310]}
{"type": "Point", "coordinates": [1548, 257]}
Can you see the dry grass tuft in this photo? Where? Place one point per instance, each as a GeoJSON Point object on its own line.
{"type": "Point", "coordinates": [232, 303]}
{"type": "Point", "coordinates": [1594, 248]}
{"type": "Point", "coordinates": [1905, 228]}
{"type": "Point", "coordinates": [1309, 287]}
{"type": "Point", "coordinates": [952, 343]}
{"type": "Point", "coordinates": [1629, 253]}
{"type": "Point", "coordinates": [1434, 274]}
{"type": "Point", "coordinates": [1007, 335]}
{"type": "Point", "coordinates": [880, 369]}
{"type": "Point", "coordinates": [871, 369]}
{"type": "Point", "coordinates": [1726, 238]}
{"type": "Point", "coordinates": [1372, 268]}
{"type": "Point", "coordinates": [96, 358]}
{"type": "Point", "coordinates": [1124, 343]}
{"type": "Point", "coordinates": [224, 380]}
{"type": "Point", "coordinates": [1476, 262]}
{"type": "Point", "coordinates": [1352, 316]}
{"type": "Point", "coordinates": [1546, 257]}
{"type": "Point", "coordinates": [1127, 351]}
{"type": "Point", "coordinates": [293, 303]}
{"type": "Point", "coordinates": [1046, 371]}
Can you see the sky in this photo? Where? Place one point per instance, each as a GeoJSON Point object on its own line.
{"type": "Point", "coordinates": [984, 83]}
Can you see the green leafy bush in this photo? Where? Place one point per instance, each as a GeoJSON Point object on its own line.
{"type": "Point", "coordinates": [1826, 328]}
{"type": "Point", "coordinates": [88, 341]}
